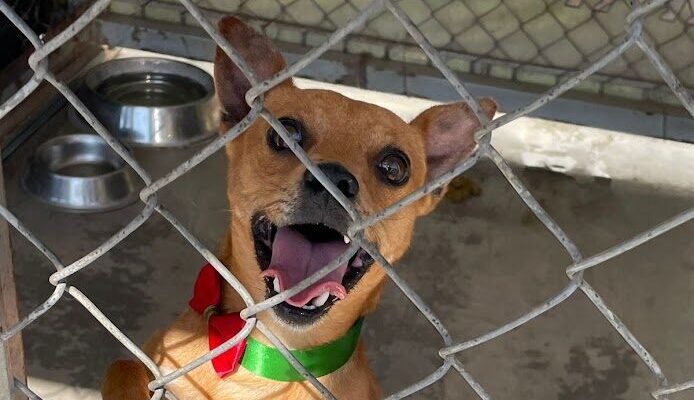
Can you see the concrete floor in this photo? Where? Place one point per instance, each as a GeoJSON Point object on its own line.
{"type": "Point", "coordinates": [477, 263]}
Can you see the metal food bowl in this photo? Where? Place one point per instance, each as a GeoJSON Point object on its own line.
{"type": "Point", "coordinates": [152, 101]}
{"type": "Point", "coordinates": [81, 173]}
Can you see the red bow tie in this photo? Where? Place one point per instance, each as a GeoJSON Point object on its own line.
{"type": "Point", "coordinates": [207, 294]}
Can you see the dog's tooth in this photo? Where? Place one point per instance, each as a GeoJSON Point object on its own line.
{"type": "Point", "coordinates": [276, 285]}
{"type": "Point", "coordinates": [320, 300]}
{"type": "Point", "coordinates": [346, 239]}
{"type": "Point", "coordinates": [308, 307]}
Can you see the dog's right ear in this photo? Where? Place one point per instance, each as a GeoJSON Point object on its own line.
{"type": "Point", "coordinates": [259, 53]}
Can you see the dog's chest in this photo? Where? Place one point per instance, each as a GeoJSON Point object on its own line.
{"type": "Point", "coordinates": [205, 384]}
{"type": "Point", "coordinates": [186, 340]}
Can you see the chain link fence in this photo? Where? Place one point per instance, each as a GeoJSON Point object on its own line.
{"type": "Point", "coordinates": [40, 15]}
{"type": "Point", "coordinates": [537, 42]}
{"type": "Point", "coordinates": [632, 39]}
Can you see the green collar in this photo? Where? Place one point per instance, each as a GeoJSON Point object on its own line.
{"type": "Point", "coordinates": [268, 362]}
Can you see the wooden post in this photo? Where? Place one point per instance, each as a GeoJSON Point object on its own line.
{"type": "Point", "coordinates": [12, 353]}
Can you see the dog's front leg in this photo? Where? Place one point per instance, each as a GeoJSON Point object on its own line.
{"type": "Point", "coordinates": [126, 380]}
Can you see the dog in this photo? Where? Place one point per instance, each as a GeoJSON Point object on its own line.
{"type": "Point", "coordinates": [284, 226]}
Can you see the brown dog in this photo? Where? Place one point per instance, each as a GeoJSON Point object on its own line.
{"type": "Point", "coordinates": [285, 225]}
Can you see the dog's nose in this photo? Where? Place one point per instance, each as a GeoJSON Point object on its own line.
{"type": "Point", "coordinates": [338, 174]}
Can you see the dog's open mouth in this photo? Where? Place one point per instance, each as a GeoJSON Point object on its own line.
{"type": "Point", "coordinates": [289, 254]}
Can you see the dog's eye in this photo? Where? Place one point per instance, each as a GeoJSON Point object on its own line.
{"type": "Point", "coordinates": [293, 127]}
{"type": "Point", "coordinates": [393, 166]}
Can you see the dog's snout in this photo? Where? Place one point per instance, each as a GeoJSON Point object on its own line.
{"type": "Point", "coordinates": [339, 175]}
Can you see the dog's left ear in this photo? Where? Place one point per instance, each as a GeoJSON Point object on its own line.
{"type": "Point", "coordinates": [448, 132]}
{"type": "Point", "coordinates": [259, 53]}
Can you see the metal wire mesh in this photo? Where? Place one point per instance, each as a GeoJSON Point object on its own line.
{"type": "Point", "coordinates": [536, 42]}
{"type": "Point", "coordinates": [541, 33]}
{"type": "Point", "coordinates": [632, 38]}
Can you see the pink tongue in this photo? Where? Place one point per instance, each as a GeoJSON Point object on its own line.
{"type": "Point", "coordinates": [295, 258]}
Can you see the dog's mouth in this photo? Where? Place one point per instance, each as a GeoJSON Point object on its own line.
{"type": "Point", "coordinates": [289, 254]}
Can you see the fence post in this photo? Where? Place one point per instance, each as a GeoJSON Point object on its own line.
{"type": "Point", "coordinates": [12, 351]}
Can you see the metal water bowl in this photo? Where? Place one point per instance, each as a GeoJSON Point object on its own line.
{"type": "Point", "coordinates": [81, 173]}
{"type": "Point", "coordinates": [153, 101]}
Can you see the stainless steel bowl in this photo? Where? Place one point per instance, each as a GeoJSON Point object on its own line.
{"type": "Point", "coordinates": [152, 101]}
{"type": "Point", "coordinates": [81, 173]}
